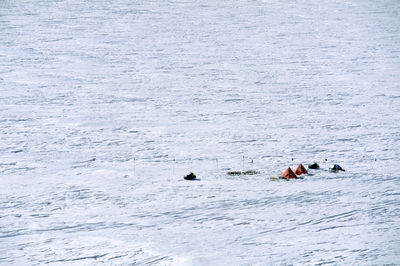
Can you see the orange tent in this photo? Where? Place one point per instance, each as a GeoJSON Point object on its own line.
{"type": "Point", "coordinates": [288, 174]}
{"type": "Point", "coordinates": [300, 170]}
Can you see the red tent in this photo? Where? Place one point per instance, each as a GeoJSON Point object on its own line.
{"type": "Point", "coordinates": [288, 174]}
{"type": "Point", "coordinates": [300, 170]}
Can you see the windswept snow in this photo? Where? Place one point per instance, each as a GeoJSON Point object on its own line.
{"type": "Point", "coordinates": [106, 105]}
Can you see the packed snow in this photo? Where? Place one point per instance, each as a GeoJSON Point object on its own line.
{"type": "Point", "coordinates": [106, 105]}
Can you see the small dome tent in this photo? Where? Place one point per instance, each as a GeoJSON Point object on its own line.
{"type": "Point", "coordinates": [288, 174]}
{"type": "Point", "coordinates": [313, 166]}
{"type": "Point", "coordinates": [300, 170]}
{"type": "Point", "coordinates": [336, 168]}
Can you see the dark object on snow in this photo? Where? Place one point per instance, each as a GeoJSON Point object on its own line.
{"type": "Point", "coordinates": [313, 166]}
{"type": "Point", "coordinates": [248, 172]}
{"type": "Point", "coordinates": [336, 168]}
{"type": "Point", "coordinates": [234, 173]}
{"type": "Point", "coordinates": [190, 176]}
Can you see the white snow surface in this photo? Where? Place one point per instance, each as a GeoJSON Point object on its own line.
{"type": "Point", "coordinates": [106, 105]}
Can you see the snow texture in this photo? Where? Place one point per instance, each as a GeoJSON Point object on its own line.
{"type": "Point", "coordinates": [106, 105]}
